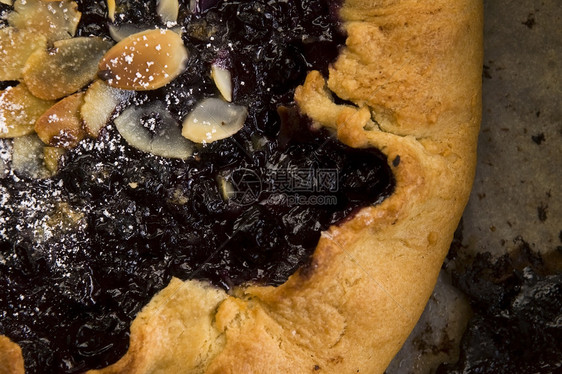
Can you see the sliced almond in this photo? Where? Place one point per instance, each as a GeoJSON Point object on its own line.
{"type": "Point", "coordinates": [168, 10]}
{"type": "Point", "coordinates": [61, 125]}
{"type": "Point", "coordinates": [111, 10]}
{"type": "Point", "coordinates": [100, 102]}
{"type": "Point", "coordinates": [144, 61]}
{"type": "Point", "coordinates": [225, 187]}
{"type": "Point", "coordinates": [52, 156]}
{"type": "Point", "coordinates": [55, 20]}
{"type": "Point", "coordinates": [162, 139]}
{"type": "Point", "coordinates": [120, 32]}
{"type": "Point", "coordinates": [15, 47]}
{"type": "Point", "coordinates": [19, 110]}
{"type": "Point", "coordinates": [64, 69]}
{"type": "Point", "coordinates": [223, 80]}
{"type": "Point", "coordinates": [7, 2]}
{"type": "Point", "coordinates": [214, 119]}
{"type": "Point", "coordinates": [63, 218]}
{"type": "Point", "coordinates": [27, 157]}
{"type": "Point", "coordinates": [258, 142]}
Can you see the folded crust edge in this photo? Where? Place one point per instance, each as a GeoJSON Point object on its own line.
{"type": "Point", "coordinates": [413, 70]}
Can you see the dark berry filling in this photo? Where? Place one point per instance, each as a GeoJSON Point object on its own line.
{"type": "Point", "coordinates": [81, 253]}
{"type": "Point", "coordinates": [4, 9]}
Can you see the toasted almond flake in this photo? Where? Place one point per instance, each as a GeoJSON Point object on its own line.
{"type": "Point", "coordinates": [7, 2]}
{"type": "Point", "coordinates": [61, 125]}
{"type": "Point", "coordinates": [64, 217]}
{"type": "Point", "coordinates": [27, 157]}
{"type": "Point", "coordinates": [226, 188]}
{"type": "Point", "coordinates": [213, 119]}
{"type": "Point", "coordinates": [100, 102]}
{"type": "Point", "coordinates": [168, 10]}
{"type": "Point", "coordinates": [125, 30]}
{"type": "Point", "coordinates": [64, 69]}
{"type": "Point", "coordinates": [52, 156]}
{"type": "Point", "coordinates": [19, 110]}
{"type": "Point", "coordinates": [15, 48]}
{"type": "Point", "coordinates": [223, 81]}
{"type": "Point", "coordinates": [134, 65]}
{"type": "Point", "coordinates": [55, 20]}
{"type": "Point", "coordinates": [111, 10]}
{"type": "Point", "coordinates": [163, 140]}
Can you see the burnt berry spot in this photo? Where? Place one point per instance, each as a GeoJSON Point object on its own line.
{"type": "Point", "coordinates": [530, 22]}
{"type": "Point", "coordinates": [539, 138]}
{"type": "Point", "coordinates": [486, 72]}
{"type": "Point", "coordinates": [542, 211]}
{"type": "Point", "coordinates": [516, 301]}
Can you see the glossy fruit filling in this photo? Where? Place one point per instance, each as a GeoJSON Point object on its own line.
{"type": "Point", "coordinates": [83, 251]}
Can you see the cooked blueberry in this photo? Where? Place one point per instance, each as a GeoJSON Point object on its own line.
{"type": "Point", "coordinates": [146, 218]}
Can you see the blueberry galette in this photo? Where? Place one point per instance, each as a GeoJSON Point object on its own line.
{"type": "Point", "coordinates": [217, 186]}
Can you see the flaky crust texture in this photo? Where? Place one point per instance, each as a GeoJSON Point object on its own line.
{"type": "Point", "coordinates": [413, 71]}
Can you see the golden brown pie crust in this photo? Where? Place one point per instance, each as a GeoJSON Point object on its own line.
{"type": "Point", "coordinates": [413, 68]}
